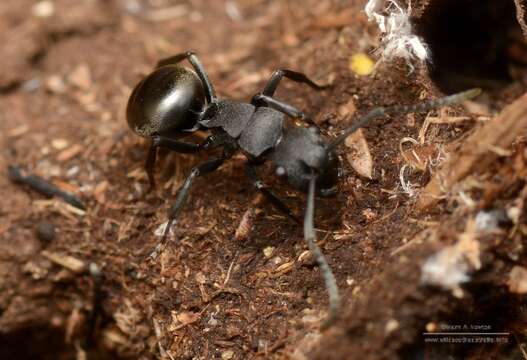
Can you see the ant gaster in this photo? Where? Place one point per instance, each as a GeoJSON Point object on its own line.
{"type": "Point", "coordinates": [175, 100]}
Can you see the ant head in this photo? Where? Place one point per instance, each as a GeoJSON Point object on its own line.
{"type": "Point", "coordinates": [302, 152]}
{"type": "Point", "coordinates": [167, 101]}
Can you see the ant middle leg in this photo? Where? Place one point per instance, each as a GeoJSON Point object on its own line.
{"type": "Point", "coordinates": [274, 199]}
{"type": "Point", "coordinates": [210, 93]}
{"type": "Point", "coordinates": [175, 209]}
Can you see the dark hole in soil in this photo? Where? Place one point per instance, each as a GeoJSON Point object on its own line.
{"type": "Point", "coordinates": [43, 343]}
{"type": "Point", "coordinates": [470, 42]}
{"type": "Point", "coordinates": [491, 312]}
{"type": "Point", "coordinates": [40, 342]}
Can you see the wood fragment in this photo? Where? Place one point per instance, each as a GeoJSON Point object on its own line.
{"type": "Point", "coordinates": [69, 153]}
{"type": "Point", "coordinates": [359, 157]}
{"type": "Point", "coordinates": [66, 186]}
{"type": "Point", "coordinates": [518, 280]}
{"type": "Point", "coordinates": [475, 154]}
{"type": "Point", "coordinates": [66, 261]}
{"type": "Point", "coordinates": [246, 224]}
{"type": "Point", "coordinates": [520, 16]}
{"type": "Point", "coordinates": [18, 131]}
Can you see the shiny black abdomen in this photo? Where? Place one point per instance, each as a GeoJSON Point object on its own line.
{"type": "Point", "coordinates": [165, 102]}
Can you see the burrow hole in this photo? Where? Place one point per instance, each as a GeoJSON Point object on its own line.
{"type": "Point", "coordinates": [474, 43]}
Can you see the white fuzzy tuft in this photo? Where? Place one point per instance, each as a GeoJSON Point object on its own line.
{"type": "Point", "coordinates": [447, 269]}
{"type": "Point", "coordinates": [398, 38]}
{"type": "Point", "coordinates": [452, 266]}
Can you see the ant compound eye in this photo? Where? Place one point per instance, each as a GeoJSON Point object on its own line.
{"type": "Point", "coordinates": [280, 171]}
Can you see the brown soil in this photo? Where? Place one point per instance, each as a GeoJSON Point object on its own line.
{"type": "Point", "coordinates": [64, 83]}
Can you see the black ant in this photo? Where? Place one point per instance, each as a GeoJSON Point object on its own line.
{"type": "Point", "coordinates": [175, 100]}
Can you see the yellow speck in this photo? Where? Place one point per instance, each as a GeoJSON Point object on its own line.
{"type": "Point", "coordinates": [361, 64]}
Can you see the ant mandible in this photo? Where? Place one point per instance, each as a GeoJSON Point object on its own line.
{"type": "Point", "coordinates": [174, 100]}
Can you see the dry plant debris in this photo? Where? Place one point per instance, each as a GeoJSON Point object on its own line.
{"type": "Point", "coordinates": [68, 68]}
{"type": "Point", "coordinates": [487, 143]}
{"type": "Point", "coordinates": [451, 267]}
{"type": "Point", "coordinates": [518, 280]}
{"type": "Point", "coordinates": [359, 155]}
{"type": "Point", "coordinates": [399, 39]}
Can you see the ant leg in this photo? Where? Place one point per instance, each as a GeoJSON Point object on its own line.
{"type": "Point", "coordinates": [275, 200]}
{"type": "Point", "coordinates": [260, 99]}
{"type": "Point", "coordinates": [181, 198]}
{"type": "Point", "coordinates": [210, 93]}
{"type": "Point", "coordinates": [265, 98]}
{"type": "Point", "coordinates": [329, 278]}
{"type": "Point", "coordinates": [174, 145]}
{"type": "Point", "coordinates": [299, 77]}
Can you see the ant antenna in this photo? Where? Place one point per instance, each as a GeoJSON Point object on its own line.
{"type": "Point", "coordinates": [327, 274]}
{"type": "Point", "coordinates": [403, 109]}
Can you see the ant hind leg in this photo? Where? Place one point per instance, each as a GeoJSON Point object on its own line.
{"type": "Point", "coordinates": [210, 93]}
{"type": "Point", "coordinates": [298, 77]}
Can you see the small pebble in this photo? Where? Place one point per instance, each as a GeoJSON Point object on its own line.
{"type": "Point", "coordinates": [81, 77]}
{"type": "Point", "coordinates": [227, 355]}
{"type": "Point", "coordinates": [31, 85]}
{"type": "Point", "coordinates": [391, 326]}
{"type": "Point", "coordinates": [43, 9]}
{"type": "Point", "coordinates": [45, 232]}
{"type": "Point", "coordinates": [55, 84]}
{"type": "Point", "coordinates": [307, 258]}
{"type": "Point", "coordinates": [431, 327]}
{"type": "Point", "coordinates": [268, 251]}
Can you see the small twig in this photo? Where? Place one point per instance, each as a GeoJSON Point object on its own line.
{"type": "Point", "coordinates": [69, 262]}
{"type": "Point", "coordinates": [97, 296]}
{"type": "Point", "coordinates": [43, 186]}
{"type": "Point", "coordinates": [520, 345]}
{"type": "Point", "coordinates": [227, 278]}
{"type": "Point", "coordinates": [157, 329]}
{"type": "Point", "coordinates": [167, 13]}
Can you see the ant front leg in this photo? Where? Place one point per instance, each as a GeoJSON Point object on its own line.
{"type": "Point", "coordinates": [174, 145]}
{"type": "Point", "coordinates": [210, 93]}
{"type": "Point", "coordinates": [175, 210]}
{"type": "Point", "coordinates": [275, 200]}
{"type": "Point", "coordinates": [265, 98]}
{"type": "Point", "coordinates": [299, 77]}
